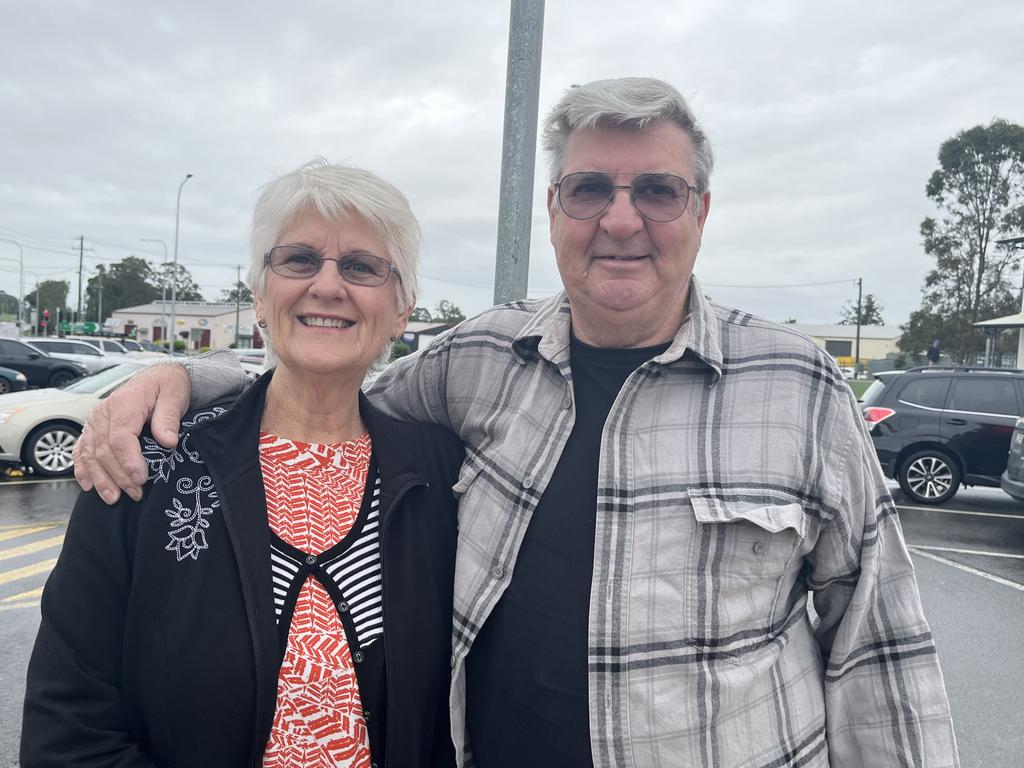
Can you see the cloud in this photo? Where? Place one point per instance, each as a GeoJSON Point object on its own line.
{"type": "Point", "coordinates": [826, 120]}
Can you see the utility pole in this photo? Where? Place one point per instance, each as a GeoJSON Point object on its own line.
{"type": "Point", "coordinates": [238, 300]}
{"type": "Point", "coordinates": [856, 358]}
{"type": "Point", "coordinates": [519, 146]}
{"type": "Point", "coordinates": [163, 283]}
{"type": "Point", "coordinates": [81, 256]}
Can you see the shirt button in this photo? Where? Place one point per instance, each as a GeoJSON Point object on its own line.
{"type": "Point", "coordinates": [759, 548]}
{"type": "Point", "coordinates": [366, 716]}
{"type": "Point", "coordinates": [358, 657]}
{"type": "Point", "coordinates": [453, 661]}
{"type": "Point", "coordinates": [343, 606]}
{"type": "Point", "coordinates": [566, 402]}
{"type": "Point", "coordinates": [528, 481]}
{"type": "Point", "coordinates": [310, 559]}
{"type": "Point", "coordinates": [498, 571]}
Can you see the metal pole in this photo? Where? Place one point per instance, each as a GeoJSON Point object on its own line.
{"type": "Point", "coordinates": [174, 275]}
{"type": "Point", "coordinates": [856, 354]}
{"type": "Point", "coordinates": [81, 256]}
{"type": "Point", "coordinates": [519, 144]}
{"type": "Point", "coordinates": [21, 275]}
{"type": "Point", "coordinates": [238, 300]}
{"type": "Point", "coordinates": [163, 282]}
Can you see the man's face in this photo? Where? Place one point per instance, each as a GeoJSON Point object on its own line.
{"type": "Point", "coordinates": [619, 268]}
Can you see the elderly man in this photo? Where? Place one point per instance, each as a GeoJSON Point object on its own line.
{"type": "Point", "coordinates": [654, 487]}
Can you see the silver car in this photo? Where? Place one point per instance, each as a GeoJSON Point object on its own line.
{"type": "Point", "coordinates": [70, 349]}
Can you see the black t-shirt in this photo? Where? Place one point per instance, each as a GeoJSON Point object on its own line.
{"type": "Point", "coordinates": [526, 675]}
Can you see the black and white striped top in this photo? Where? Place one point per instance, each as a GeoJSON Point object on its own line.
{"type": "Point", "coordinates": [350, 571]}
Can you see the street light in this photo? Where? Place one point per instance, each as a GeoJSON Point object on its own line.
{"type": "Point", "coordinates": [163, 283]}
{"type": "Point", "coordinates": [174, 275]}
{"type": "Point", "coordinates": [21, 275]}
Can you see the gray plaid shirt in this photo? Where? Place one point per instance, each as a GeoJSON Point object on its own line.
{"type": "Point", "coordinates": [736, 476]}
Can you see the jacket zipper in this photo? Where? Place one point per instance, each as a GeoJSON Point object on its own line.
{"type": "Point", "coordinates": [385, 524]}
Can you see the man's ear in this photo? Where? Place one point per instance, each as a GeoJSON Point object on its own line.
{"type": "Point", "coordinates": [703, 206]}
{"type": "Point", "coordinates": [403, 318]}
{"type": "Point", "coordinates": [551, 208]}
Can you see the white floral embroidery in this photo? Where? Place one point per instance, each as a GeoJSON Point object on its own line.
{"type": "Point", "coordinates": [195, 501]}
{"type": "Point", "coordinates": [188, 520]}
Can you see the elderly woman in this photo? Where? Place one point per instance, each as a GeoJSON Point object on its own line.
{"type": "Point", "coordinates": [281, 595]}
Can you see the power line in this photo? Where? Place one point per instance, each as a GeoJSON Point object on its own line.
{"type": "Point", "coordinates": [789, 285]}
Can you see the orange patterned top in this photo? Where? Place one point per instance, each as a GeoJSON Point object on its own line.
{"type": "Point", "coordinates": [314, 493]}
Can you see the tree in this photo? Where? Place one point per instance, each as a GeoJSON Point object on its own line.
{"type": "Point", "coordinates": [979, 192]}
{"type": "Point", "coordinates": [171, 274]}
{"type": "Point", "coordinates": [240, 292]}
{"type": "Point", "coordinates": [420, 315]}
{"type": "Point", "coordinates": [870, 312]}
{"type": "Point", "coordinates": [446, 312]}
{"type": "Point", "coordinates": [126, 283]}
{"type": "Point", "coordinates": [51, 295]}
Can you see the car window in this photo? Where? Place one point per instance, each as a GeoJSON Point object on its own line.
{"type": "Point", "coordinates": [14, 349]}
{"type": "Point", "coordinates": [131, 346]}
{"type": "Point", "coordinates": [62, 347]}
{"type": "Point", "coordinates": [84, 349]}
{"type": "Point", "coordinates": [113, 346]}
{"type": "Point", "coordinates": [984, 396]}
{"type": "Point", "coordinates": [96, 382]}
{"type": "Point", "coordinates": [873, 393]}
{"type": "Point", "coordinates": [926, 391]}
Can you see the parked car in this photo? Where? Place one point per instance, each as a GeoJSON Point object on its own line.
{"type": "Point", "coordinates": [112, 347]}
{"type": "Point", "coordinates": [149, 346]}
{"type": "Point", "coordinates": [39, 368]}
{"type": "Point", "coordinates": [12, 381]}
{"type": "Point", "coordinates": [1012, 480]}
{"type": "Point", "coordinates": [39, 428]}
{"type": "Point", "coordinates": [95, 360]}
{"type": "Point", "coordinates": [937, 428]}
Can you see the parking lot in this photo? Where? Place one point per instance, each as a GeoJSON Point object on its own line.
{"type": "Point", "coordinates": [969, 556]}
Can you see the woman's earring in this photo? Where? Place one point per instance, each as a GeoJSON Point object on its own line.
{"type": "Point", "coordinates": [261, 322]}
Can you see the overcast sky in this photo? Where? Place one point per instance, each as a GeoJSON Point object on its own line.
{"type": "Point", "coordinates": [826, 119]}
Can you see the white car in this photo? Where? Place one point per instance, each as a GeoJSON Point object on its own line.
{"type": "Point", "coordinates": [39, 427]}
{"type": "Point", "coordinates": [114, 347]}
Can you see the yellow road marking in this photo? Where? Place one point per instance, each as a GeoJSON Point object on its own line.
{"type": "Point", "coordinates": [24, 530]}
{"type": "Point", "coordinates": [29, 570]}
{"type": "Point", "coordinates": [32, 593]}
{"type": "Point", "coordinates": [14, 606]}
{"type": "Point", "coordinates": [32, 546]}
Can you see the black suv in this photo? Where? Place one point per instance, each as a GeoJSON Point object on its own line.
{"type": "Point", "coordinates": [936, 428]}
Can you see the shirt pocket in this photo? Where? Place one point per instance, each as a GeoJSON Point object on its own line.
{"type": "Point", "coordinates": [740, 558]}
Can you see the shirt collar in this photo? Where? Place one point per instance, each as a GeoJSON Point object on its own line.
{"type": "Point", "coordinates": [549, 329]}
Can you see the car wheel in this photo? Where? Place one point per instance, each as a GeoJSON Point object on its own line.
{"type": "Point", "coordinates": [5, 386]}
{"type": "Point", "coordinates": [929, 477]}
{"type": "Point", "coordinates": [62, 377]}
{"type": "Point", "coordinates": [48, 450]}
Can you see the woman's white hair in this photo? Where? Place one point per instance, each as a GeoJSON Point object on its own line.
{"type": "Point", "coordinates": [336, 193]}
{"type": "Point", "coordinates": [630, 102]}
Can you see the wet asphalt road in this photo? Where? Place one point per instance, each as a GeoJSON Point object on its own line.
{"type": "Point", "coordinates": [969, 556]}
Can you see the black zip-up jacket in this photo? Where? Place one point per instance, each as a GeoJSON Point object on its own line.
{"type": "Point", "coordinates": [158, 644]}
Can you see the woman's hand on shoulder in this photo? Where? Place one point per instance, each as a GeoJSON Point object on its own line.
{"type": "Point", "coordinates": [107, 455]}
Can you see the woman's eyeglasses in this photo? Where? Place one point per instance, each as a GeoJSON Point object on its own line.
{"type": "Point", "coordinates": [298, 261]}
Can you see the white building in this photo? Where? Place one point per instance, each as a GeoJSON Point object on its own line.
{"type": "Point", "coordinates": [840, 341]}
{"type": "Point", "coordinates": [201, 323]}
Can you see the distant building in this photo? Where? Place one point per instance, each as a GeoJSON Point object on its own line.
{"type": "Point", "coordinates": [876, 341]}
{"type": "Point", "coordinates": [200, 323]}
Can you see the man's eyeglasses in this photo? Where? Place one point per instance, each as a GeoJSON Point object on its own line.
{"type": "Point", "coordinates": [656, 196]}
{"type": "Point", "coordinates": [357, 268]}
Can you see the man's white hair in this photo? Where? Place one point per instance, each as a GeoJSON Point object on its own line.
{"type": "Point", "coordinates": [633, 103]}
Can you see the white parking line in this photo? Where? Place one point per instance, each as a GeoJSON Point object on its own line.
{"type": "Point", "coordinates": [968, 569]}
{"type": "Point", "coordinates": [962, 512]}
{"type": "Point", "coordinates": [967, 551]}
{"type": "Point", "coordinates": [16, 483]}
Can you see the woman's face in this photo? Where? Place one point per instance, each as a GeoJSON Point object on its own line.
{"type": "Point", "coordinates": [322, 325]}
